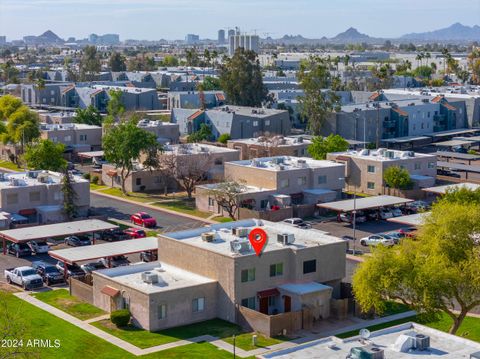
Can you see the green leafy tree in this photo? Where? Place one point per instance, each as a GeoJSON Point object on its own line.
{"type": "Point", "coordinates": [439, 272]}
{"type": "Point", "coordinates": [322, 145]}
{"type": "Point", "coordinates": [70, 196]}
{"type": "Point", "coordinates": [8, 105]}
{"type": "Point", "coordinates": [397, 178]}
{"type": "Point", "coordinates": [88, 116]}
{"type": "Point", "coordinates": [317, 103]}
{"type": "Point", "coordinates": [123, 144]}
{"type": "Point", "coordinates": [115, 107]}
{"type": "Point", "coordinates": [423, 71]}
{"type": "Point", "coordinates": [45, 155]}
{"type": "Point", "coordinates": [203, 134]}
{"type": "Point", "coordinates": [22, 127]}
{"type": "Point", "coordinates": [241, 79]}
{"type": "Point", "coordinates": [223, 138]}
{"type": "Point", "coordinates": [170, 61]}
{"type": "Point", "coordinates": [210, 84]}
{"type": "Point", "coordinates": [89, 63]}
{"type": "Point", "coordinates": [474, 65]}
{"type": "Point", "coordinates": [116, 62]}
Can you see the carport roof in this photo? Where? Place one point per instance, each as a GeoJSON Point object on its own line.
{"type": "Point", "coordinates": [364, 203]}
{"type": "Point", "coordinates": [413, 220]}
{"type": "Point", "coordinates": [463, 156]}
{"type": "Point", "coordinates": [86, 253]}
{"type": "Point", "coordinates": [55, 230]}
{"type": "Point", "coordinates": [90, 154]}
{"type": "Point", "coordinates": [458, 166]}
{"type": "Point", "coordinates": [452, 143]}
{"type": "Point", "coordinates": [443, 189]}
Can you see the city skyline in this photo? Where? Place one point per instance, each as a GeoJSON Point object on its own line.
{"type": "Point", "coordinates": [154, 20]}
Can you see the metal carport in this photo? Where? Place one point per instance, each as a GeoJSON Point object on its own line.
{"type": "Point", "coordinates": [413, 220]}
{"type": "Point", "coordinates": [364, 203]}
{"type": "Point", "coordinates": [64, 229]}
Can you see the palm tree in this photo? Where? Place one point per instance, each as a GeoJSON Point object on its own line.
{"type": "Point", "coordinates": [418, 58]}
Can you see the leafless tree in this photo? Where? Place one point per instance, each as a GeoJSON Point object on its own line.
{"type": "Point", "coordinates": [226, 195]}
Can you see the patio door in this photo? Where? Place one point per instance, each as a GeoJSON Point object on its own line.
{"type": "Point", "coordinates": [264, 305]}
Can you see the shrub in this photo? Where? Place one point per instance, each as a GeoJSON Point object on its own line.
{"type": "Point", "coordinates": [95, 179]}
{"type": "Point", "coordinates": [223, 138]}
{"type": "Point", "coordinates": [86, 176]}
{"type": "Point", "coordinates": [120, 318]}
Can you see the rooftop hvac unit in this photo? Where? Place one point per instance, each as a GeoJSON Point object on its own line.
{"type": "Point", "coordinates": [32, 174]}
{"type": "Point", "coordinates": [366, 352]}
{"type": "Point", "coordinates": [419, 341]}
{"type": "Point", "coordinates": [301, 163]}
{"type": "Point", "coordinates": [300, 139]}
{"type": "Point", "coordinates": [389, 154]}
{"type": "Point", "coordinates": [240, 232]}
{"type": "Point", "coordinates": [14, 182]}
{"type": "Point", "coordinates": [285, 238]}
{"type": "Point", "coordinates": [2, 176]}
{"type": "Point", "coordinates": [208, 237]}
{"type": "Point", "coordinates": [364, 152]}
{"type": "Point", "coordinates": [150, 277]}
{"type": "Point", "coordinates": [240, 246]}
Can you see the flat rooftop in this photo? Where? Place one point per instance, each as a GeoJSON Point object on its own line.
{"type": "Point", "coordinates": [277, 141]}
{"type": "Point", "coordinates": [169, 277]}
{"type": "Point", "coordinates": [195, 148]}
{"type": "Point", "coordinates": [280, 163]}
{"type": "Point", "coordinates": [247, 111]}
{"type": "Point", "coordinates": [383, 155]}
{"type": "Point", "coordinates": [445, 188]}
{"type": "Point", "coordinates": [67, 127]}
{"type": "Point", "coordinates": [223, 236]}
{"type": "Point", "coordinates": [442, 345]}
{"type": "Point", "coordinates": [33, 178]}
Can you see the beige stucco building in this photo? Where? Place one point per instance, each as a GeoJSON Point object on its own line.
{"type": "Point", "coordinates": [38, 196]}
{"type": "Point", "coordinates": [80, 137]}
{"type": "Point", "coordinates": [364, 169]}
{"type": "Point", "coordinates": [213, 272]}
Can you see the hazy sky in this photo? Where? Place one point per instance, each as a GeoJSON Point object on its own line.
{"type": "Point", "coordinates": [172, 19]}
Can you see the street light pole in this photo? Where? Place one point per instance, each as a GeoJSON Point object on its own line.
{"type": "Point", "coordinates": [354, 217]}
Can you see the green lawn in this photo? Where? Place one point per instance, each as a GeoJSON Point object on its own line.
{"type": "Point", "coordinates": [11, 166]}
{"type": "Point", "coordinates": [244, 341]}
{"type": "Point", "coordinates": [395, 308]}
{"type": "Point", "coordinates": [133, 196]}
{"type": "Point", "coordinates": [223, 219]}
{"type": "Point", "coordinates": [183, 206]}
{"type": "Point", "coordinates": [469, 329]}
{"type": "Point", "coordinates": [95, 187]}
{"type": "Point", "coordinates": [76, 343]}
{"type": "Point", "coordinates": [62, 300]}
{"type": "Point", "coordinates": [145, 339]}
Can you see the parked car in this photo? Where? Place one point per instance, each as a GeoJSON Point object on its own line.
{"type": "Point", "coordinates": [443, 172]}
{"type": "Point", "coordinates": [409, 232]}
{"type": "Point", "coordinates": [78, 241]}
{"type": "Point", "coordinates": [459, 149]}
{"type": "Point", "coordinates": [143, 219]}
{"type": "Point", "coordinates": [135, 233]}
{"type": "Point", "coordinates": [115, 234]}
{"type": "Point", "coordinates": [92, 266]}
{"type": "Point", "coordinates": [73, 270]}
{"type": "Point", "coordinates": [395, 235]}
{"type": "Point", "coordinates": [149, 256]}
{"type": "Point", "coordinates": [416, 206]}
{"type": "Point", "coordinates": [396, 211]}
{"type": "Point", "coordinates": [49, 273]}
{"type": "Point", "coordinates": [360, 217]}
{"type": "Point", "coordinates": [19, 249]}
{"type": "Point", "coordinates": [376, 239]}
{"type": "Point", "coordinates": [385, 213]}
{"type": "Point", "coordinates": [117, 261]}
{"type": "Point", "coordinates": [39, 247]}
{"type": "Point", "coordinates": [298, 222]}
{"type": "Point", "coordinates": [25, 277]}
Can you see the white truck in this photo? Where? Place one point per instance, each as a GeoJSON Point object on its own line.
{"type": "Point", "coordinates": [25, 277]}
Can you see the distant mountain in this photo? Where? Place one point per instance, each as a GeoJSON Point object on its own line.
{"type": "Point", "coordinates": [49, 37]}
{"type": "Point", "coordinates": [455, 32]}
{"type": "Point", "coordinates": [350, 36]}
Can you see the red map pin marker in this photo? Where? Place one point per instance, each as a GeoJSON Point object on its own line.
{"type": "Point", "coordinates": [258, 239]}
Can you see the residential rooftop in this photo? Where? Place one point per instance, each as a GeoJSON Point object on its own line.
{"type": "Point", "coordinates": [460, 92]}
{"type": "Point", "coordinates": [231, 239]}
{"type": "Point", "coordinates": [278, 141]}
{"type": "Point", "coordinates": [154, 123]}
{"type": "Point", "coordinates": [67, 127]}
{"type": "Point", "coordinates": [247, 111]}
{"type": "Point", "coordinates": [195, 148]}
{"type": "Point", "coordinates": [285, 163]}
{"type": "Point", "coordinates": [33, 178]}
{"type": "Point", "coordinates": [396, 343]}
{"type": "Point", "coordinates": [169, 277]}
{"type": "Point", "coordinates": [134, 90]}
{"type": "Point", "coordinates": [383, 154]}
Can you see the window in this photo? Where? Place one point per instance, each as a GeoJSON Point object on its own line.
{"type": "Point", "coordinates": [218, 161]}
{"type": "Point", "coordinates": [371, 169]}
{"type": "Point", "coordinates": [52, 92]}
{"type": "Point", "coordinates": [431, 164]}
{"type": "Point", "coordinates": [83, 138]}
{"type": "Point", "coordinates": [414, 127]}
{"type": "Point", "coordinates": [248, 302]}
{"type": "Point", "coordinates": [67, 138]}
{"type": "Point", "coordinates": [302, 181]}
{"type": "Point", "coordinates": [309, 266]}
{"type": "Point", "coordinates": [198, 304]}
{"type": "Point", "coordinates": [322, 179]}
{"type": "Point", "coordinates": [248, 275]}
{"type": "Point", "coordinates": [422, 126]}
{"type": "Point", "coordinates": [162, 311]}
{"type": "Point", "coordinates": [371, 185]}
{"type": "Point", "coordinates": [138, 181]}
{"type": "Point", "coordinates": [12, 198]}
{"type": "Point", "coordinates": [271, 301]}
{"type": "Point", "coordinates": [418, 165]}
{"type": "Point", "coordinates": [263, 203]}
{"type": "Point", "coordinates": [211, 201]}
{"type": "Point", "coordinates": [284, 183]}
{"type": "Point", "coordinates": [156, 179]}
{"type": "Point", "coordinates": [276, 269]}
{"type": "Point", "coordinates": [58, 196]}
{"type": "Point", "coordinates": [267, 122]}
{"type": "Point", "coordinates": [255, 123]}
{"type": "Point", "coordinates": [428, 114]}
{"type": "Point", "coordinates": [34, 196]}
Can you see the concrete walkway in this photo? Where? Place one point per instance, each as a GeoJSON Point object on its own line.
{"type": "Point", "coordinates": [157, 208]}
